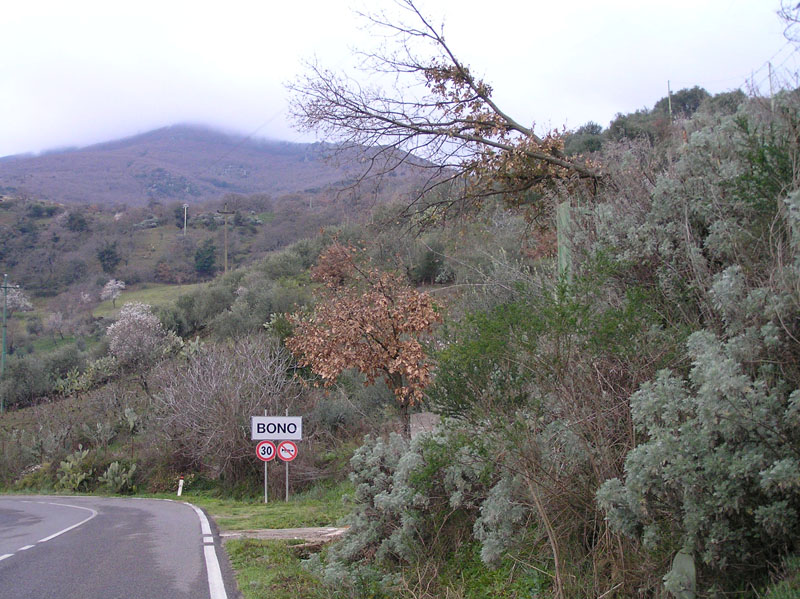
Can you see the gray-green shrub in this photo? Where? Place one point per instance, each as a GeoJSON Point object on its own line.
{"type": "Point", "coordinates": [118, 479]}
{"type": "Point", "coordinates": [74, 474]}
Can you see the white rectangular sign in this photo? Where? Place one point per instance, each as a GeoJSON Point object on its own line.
{"type": "Point", "coordinates": [276, 428]}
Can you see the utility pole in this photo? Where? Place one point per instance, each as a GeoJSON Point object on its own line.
{"type": "Point", "coordinates": [226, 212]}
{"type": "Point", "coordinates": [669, 100]}
{"type": "Point", "coordinates": [6, 287]}
{"type": "Point", "coordinates": [563, 225]}
{"type": "Point", "coordinates": [771, 94]}
{"type": "Point", "coordinates": [185, 209]}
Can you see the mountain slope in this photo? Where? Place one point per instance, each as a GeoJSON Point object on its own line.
{"type": "Point", "coordinates": [185, 163]}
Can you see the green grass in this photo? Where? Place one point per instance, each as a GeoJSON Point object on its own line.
{"type": "Point", "coordinates": [269, 570]}
{"type": "Point", "coordinates": [266, 217]}
{"type": "Point", "coordinates": [789, 585]}
{"type": "Point", "coordinates": [321, 506]}
{"type": "Point", "coordinates": [46, 343]}
{"type": "Point", "coordinates": [467, 576]}
{"type": "Point", "coordinates": [154, 295]}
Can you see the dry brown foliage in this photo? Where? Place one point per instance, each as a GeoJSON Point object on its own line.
{"type": "Point", "coordinates": [369, 320]}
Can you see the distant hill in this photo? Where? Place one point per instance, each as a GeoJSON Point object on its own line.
{"type": "Point", "coordinates": [184, 163]}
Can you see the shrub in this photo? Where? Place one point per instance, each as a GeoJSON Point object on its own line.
{"type": "Point", "coordinates": [719, 470]}
{"type": "Point", "coordinates": [74, 474]}
{"type": "Point", "coordinates": [119, 479]}
{"type": "Point", "coordinates": [26, 379]}
{"type": "Point", "coordinates": [715, 475]}
{"type": "Point", "coordinates": [206, 400]}
{"type": "Point", "coordinates": [411, 501]}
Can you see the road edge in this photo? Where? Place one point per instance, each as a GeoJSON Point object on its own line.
{"type": "Point", "coordinates": [216, 581]}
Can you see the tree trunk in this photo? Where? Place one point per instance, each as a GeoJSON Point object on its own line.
{"type": "Point", "coordinates": [405, 414]}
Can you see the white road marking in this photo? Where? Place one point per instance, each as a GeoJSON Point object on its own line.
{"type": "Point", "coordinates": [216, 586]}
{"type": "Point", "coordinates": [69, 528]}
{"type": "Point", "coordinates": [59, 533]}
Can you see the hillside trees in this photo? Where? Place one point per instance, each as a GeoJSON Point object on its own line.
{"type": "Point", "coordinates": [76, 222]}
{"type": "Point", "coordinates": [205, 258]}
{"type": "Point", "coordinates": [369, 320]}
{"type": "Point", "coordinates": [111, 291]}
{"type": "Point", "coordinates": [646, 409]}
{"type": "Point", "coordinates": [470, 144]}
{"type": "Point", "coordinates": [108, 256]}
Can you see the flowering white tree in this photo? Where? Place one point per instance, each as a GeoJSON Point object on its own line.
{"type": "Point", "coordinates": [17, 301]}
{"type": "Point", "coordinates": [54, 323]}
{"type": "Point", "coordinates": [137, 340]}
{"type": "Point", "coordinates": [111, 291]}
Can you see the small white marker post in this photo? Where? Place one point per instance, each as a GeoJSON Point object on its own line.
{"type": "Point", "coordinates": [180, 487]}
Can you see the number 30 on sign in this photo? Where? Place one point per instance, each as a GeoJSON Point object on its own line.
{"type": "Point", "coordinates": [265, 451]}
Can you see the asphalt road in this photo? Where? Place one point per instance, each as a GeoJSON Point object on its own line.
{"type": "Point", "coordinates": [108, 548]}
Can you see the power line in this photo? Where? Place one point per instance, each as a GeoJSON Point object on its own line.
{"type": "Point", "coordinates": [245, 139]}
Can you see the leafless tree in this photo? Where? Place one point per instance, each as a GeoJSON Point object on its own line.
{"type": "Point", "coordinates": [790, 15]}
{"type": "Point", "coordinates": [206, 403]}
{"type": "Point", "coordinates": [437, 117]}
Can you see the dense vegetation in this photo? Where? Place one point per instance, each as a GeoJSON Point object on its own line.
{"type": "Point", "coordinates": [627, 426]}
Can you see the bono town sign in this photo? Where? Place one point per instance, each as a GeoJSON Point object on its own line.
{"type": "Point", "coordinates": [276, 428]}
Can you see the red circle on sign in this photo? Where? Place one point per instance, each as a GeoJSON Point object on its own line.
{"type": "Point", "coordinates": [265, 451]}
{"type": "Point", "coordinates": [287, 450]}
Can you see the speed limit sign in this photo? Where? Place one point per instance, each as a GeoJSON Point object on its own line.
{"type": "Point", "coordinates": [265, 451]}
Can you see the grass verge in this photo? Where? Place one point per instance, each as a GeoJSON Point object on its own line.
{"type": "Point", "coordinates": [270, 570]}
{"type": "Point", "coordinates": [320, 506]}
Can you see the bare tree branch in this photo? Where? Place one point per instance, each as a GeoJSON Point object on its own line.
{"type": "Point", "coordinates": [438, 117]}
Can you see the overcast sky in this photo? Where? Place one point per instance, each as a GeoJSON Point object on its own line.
{"type": "Point", "coordinates": [79, 72]}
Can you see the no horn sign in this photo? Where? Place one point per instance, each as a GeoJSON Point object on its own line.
{"type": "Point", "coordinates": [287, 451]}
{"type": "Point", "coordinates": [276, 428]}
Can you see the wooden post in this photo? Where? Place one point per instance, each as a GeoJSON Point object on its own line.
{"type": "Point", "coordinates": [226, 212]}
{"type": "Point", "coordinates": [562, 238]}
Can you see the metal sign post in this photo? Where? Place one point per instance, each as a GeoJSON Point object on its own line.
{"type": "Point", "coordinates": [287, 468]}
{"type": "Point", "coordinates": [265, 451]}
{"type": "Point", "coordinates": [266, 478]}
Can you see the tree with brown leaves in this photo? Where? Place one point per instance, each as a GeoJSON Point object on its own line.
{"type": "Point", "coordinates": [369, 320]}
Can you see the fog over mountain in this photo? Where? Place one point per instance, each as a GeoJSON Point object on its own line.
{"type": "Point", "coordinates": [187, 163]}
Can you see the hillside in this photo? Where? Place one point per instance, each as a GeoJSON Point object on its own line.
{"type": "Point", "coordinates": [184, 163]}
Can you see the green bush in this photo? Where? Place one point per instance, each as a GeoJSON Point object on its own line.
{"type": "Point", "coordinates": [118, 479]}
{"type": "Point", "coordinates": [716, 473]}
{"type": "Point", "coordinates": [74, 474]}
{"type": "Point", "coordinates": [26, 379]}
{"type": "Point", "coordinates": [411, 502]}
